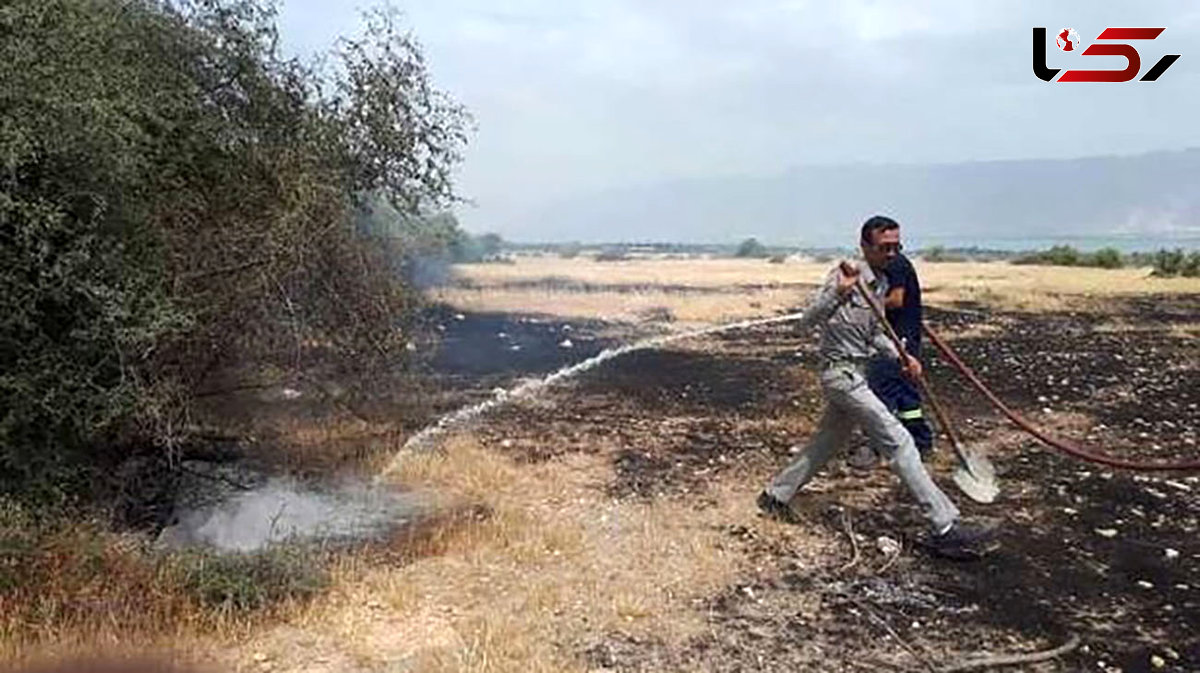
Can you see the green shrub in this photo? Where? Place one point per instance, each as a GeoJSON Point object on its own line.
{"type": "Point", "coordinates": [1169, 263]}
{"type": "Point", "coordinates": [176, 198]}
{"type": "Point", "coordinates": [751, 248]}
{"type": "Point", "coordinates": [1065, 255]}
{"type": "Point", "coordinates": [936, 253]}
{"type": "Point", "coordinates": [244, 582]}
{"type": "Point", "coordinates": [1105, 258]}
{"type": "Point", "coordinates": [1191, 266]}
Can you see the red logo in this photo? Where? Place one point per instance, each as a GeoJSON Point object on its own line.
{"type": "Point", "coordinates": [1068, 40]}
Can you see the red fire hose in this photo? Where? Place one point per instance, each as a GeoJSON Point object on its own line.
{"type": "Point", "coordinates": [1063, 445]}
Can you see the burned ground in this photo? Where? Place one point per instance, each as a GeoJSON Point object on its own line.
{"type": "Point", "coordinates": [1110, 557]}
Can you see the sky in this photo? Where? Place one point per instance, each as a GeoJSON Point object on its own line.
{"type": "Point", "coordinates": [579, 97]}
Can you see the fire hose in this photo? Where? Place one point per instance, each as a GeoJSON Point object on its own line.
{"type": "Point", "coordinates": [1058, 443]}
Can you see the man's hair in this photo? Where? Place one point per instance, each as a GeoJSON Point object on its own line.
{"type": "Point", "coordinates": [877, 223]}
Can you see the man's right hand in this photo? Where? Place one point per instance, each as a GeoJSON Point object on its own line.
{"type": "Point", "coordinates": [847, 278]}
{"type": "Point", "coordinates": [911, 367]}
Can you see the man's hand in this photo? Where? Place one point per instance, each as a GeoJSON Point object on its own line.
{"type": "Point", "coordinates": [848, 277]}
{"type": "Point", "coordinates": [912, 367]}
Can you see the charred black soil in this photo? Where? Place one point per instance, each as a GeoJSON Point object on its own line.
{"type": "Point", "coordinates": [1109, 557]}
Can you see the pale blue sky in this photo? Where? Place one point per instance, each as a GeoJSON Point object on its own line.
{"type": "Point", "coordinates": [578, 97]}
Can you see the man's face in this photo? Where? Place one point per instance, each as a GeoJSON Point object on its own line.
{"type": "Point", "coordinates": [883, 249]}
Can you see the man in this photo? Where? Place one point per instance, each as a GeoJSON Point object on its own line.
{"type": "Point", "coordinates": [850, 337]}
{"type": "Point", "coordinates": [896, 391]}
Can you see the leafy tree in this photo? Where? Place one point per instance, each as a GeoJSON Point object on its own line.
{"type": "Point", "coordinates": [176, 198]}
{"type": "Point", "coordinates": [751, 248]}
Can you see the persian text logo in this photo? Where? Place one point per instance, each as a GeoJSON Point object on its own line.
{"type": "Point", "coordinates": [1068, 41]}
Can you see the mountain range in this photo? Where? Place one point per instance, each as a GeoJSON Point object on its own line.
{"type": "Point", "coordinates": [1152, 195]}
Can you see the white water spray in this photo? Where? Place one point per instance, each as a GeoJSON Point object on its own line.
{"type": "Point", "coordinates": [425, 438]}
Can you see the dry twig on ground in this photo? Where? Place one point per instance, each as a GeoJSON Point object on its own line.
{"type": "Point", "coordinates": [1014, 659]}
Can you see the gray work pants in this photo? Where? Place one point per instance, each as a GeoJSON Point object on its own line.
{"type": "Point", "coordinates": [850, 402]}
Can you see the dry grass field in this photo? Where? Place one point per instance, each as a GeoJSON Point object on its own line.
{"type": "Point", "coordinates": [724, 290]}
{"type": "Point", "coordinates": [614, 525]}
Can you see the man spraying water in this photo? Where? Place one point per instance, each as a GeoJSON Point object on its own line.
{"type": "Point", "coordinates": [851, 336]}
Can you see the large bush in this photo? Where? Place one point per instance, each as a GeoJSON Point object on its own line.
{"type": "Point", "coordinates": [1176, 262]}
{"type": "Point", "coordinates": [176, 198]}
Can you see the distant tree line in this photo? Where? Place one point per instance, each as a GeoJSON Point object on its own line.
{"type": "Point", "coordinates": [1065, 255]}
{"type": "Point", "coordinates": [1165, 263]}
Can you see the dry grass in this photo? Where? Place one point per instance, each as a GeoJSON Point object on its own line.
{"type": "Point", "coordinates": [1041, 288]}
{"type": "Point", "coordinates": [994, 284]}
{"type": "Point", "coordinates": [687, 309]}
{"type": "Point", "coordinates": [73, 588]}
{"type": "Point", "coordinates": [556, 564]}
{"type": "Point", "coordinates": [328, 446]}
{"type": "Point", "coordinates": [710, 273]}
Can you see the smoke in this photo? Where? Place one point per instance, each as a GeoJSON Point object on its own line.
{"type": "Point", "coordinates": [285, 510]}
{"type": "Point", "coordinates": [428, 271]}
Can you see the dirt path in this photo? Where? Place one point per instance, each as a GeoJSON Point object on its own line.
{"type": "Point", "coordinates": [622, 534]}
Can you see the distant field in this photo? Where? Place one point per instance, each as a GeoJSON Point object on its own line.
{"type": "Point", "coordinates": [718, 290]}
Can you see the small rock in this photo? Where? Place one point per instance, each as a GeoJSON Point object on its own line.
{"type": "Point", "coordinates": [566, 343]}
{"type": "Point", "coordinates": [291, 393]}
{"type": "Point", "coordinates": [1157, 661]}
{"type": "Point", "coordinates": [1145, 585]}
{"type": "Point", "coordinates": [374, 605]}
{"type": "Point", "coordinates": [1171, 654]}
{"type": "Point", "coordinates": [260, 657]}
{"type": "Point", "coordinates": [459, 316]}
{"type": "Point", "coordinates": [1106, 532]}
{"type": "Point", "coordinates": [887, 545]}
{"type": "Point", "coordinates": [1171, 554]}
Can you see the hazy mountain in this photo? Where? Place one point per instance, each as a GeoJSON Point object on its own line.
{"type": "Point", "coordinates": [1151, 195]}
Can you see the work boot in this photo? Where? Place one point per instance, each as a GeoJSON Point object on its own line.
{"type": "Point", "coordinates": [963, 542]}
{"type": "Point", "coordinates": [776, 508]}
{"type": "Point", "coordinates": [863, 458]}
